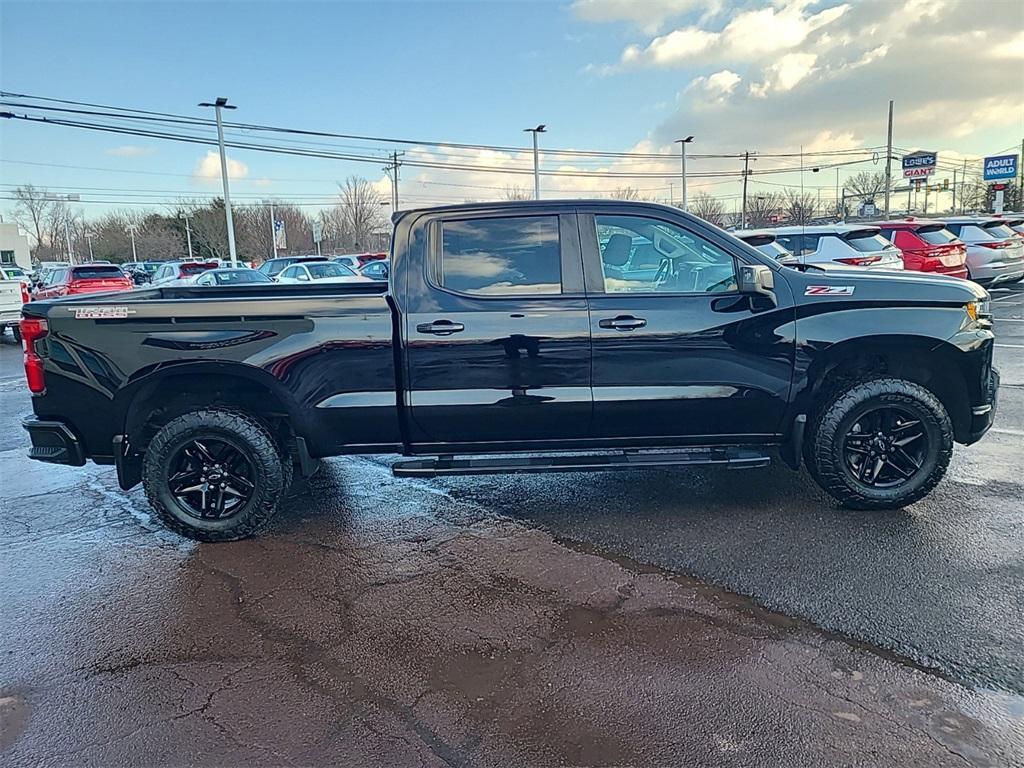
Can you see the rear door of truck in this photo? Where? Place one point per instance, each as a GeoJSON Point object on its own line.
{"type": "Point", "coordinates": [497, 328]}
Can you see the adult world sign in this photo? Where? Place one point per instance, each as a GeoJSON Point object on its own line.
{"type": "Point", "coordinates": [1000, 167]}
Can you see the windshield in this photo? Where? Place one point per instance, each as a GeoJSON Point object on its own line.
{"type": "Point", "coordinates": [936, 235]}
{"type": "Point", "coordinates": [241, 276]}
{"type": "Point", "coordinates": [13, 272]}
{"type": "Point", "coordinates": [97, 273]}
{"type": "Point", "coordinates": [327, 269]}
{"type": "Point", "coordinates": [867, 241]}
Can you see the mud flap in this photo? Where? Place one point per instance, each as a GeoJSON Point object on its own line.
{"type": "Point", "coordinates": [128, 464]}
{"type": "Point", "coordinates": [792, 448]}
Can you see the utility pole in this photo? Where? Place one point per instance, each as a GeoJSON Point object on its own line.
{"type": "Point", "coordinates": [131, 231]}
{"type": "Point", "coordinates": [963, 187]}
{"type": "Point", "coordinates": [682, 165]}
{"type": "Point", "coordinates": [536, 158]}
{"type": "Point", "coordinates": [1021, 172]}
{"type": "Point", "coordinates": [888, 163]}
{"type": "Point", "coordinates": [746, 173]}
{"type": "Point", "coordinates": [67, 237]}
{"type": "Point", "coordinates": [839, 214]}
{"type": "Point", "coordinates": [218, 105]}
{"type": "Point", "coordinates": [953, 209]}
{"type": "Point", "coordinates": [188, 232]}
{"type": "Point", "coordinates": [88, 238]}
{"type": "Point", "coordinates": [391, 169]}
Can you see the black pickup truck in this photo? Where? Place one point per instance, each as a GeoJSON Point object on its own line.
{"type": "Point", "coordinates": [517, 337]}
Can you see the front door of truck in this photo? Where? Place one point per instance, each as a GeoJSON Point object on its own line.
{"type": "Point", "coordinates": [497, 330]}
{"type": "Point", "coordinates": [678, 353]}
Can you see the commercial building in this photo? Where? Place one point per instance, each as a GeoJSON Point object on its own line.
{"type": "Point", "coordinates": [14, 247]}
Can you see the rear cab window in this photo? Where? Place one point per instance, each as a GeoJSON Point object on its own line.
{"type": "Point", "coordinates": [513, 256]}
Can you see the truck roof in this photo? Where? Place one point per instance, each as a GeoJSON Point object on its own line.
{"type": "Point", "coordinates": [526, 205]}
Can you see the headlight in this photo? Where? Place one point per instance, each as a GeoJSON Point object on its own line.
{"type": "Point", "coordinates": [979, 310]}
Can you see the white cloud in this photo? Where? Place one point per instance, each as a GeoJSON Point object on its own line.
{"type": "Point", "coordinates": [749, 36]}
{"type": "Point", "coordinates": [207, 170]}
{"type": "Point", "coordinates": [1010, 49]}
{"type": "Point", "coordinates": [785, 74]}
{"type": "Point", "coordinates": [716, 87]}
{"type": "Point", "coordinates": [129, 151]}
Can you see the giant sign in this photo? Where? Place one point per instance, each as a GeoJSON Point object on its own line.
{"type": "Point", "coordinates": [1000, 167]}
{"type": "Point", "coordinates": [919, 164]}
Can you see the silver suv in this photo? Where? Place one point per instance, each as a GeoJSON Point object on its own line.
{"type": "Point", "coordinates": [995, 252]}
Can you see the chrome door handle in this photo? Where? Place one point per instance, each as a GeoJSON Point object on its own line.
{"type": "Point", "coordinates": [440, 327]}
{"type": "Point", "coordinates": [622, 323]}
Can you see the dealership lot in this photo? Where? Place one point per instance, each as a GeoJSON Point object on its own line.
{"type": "Point", "coordinates": [545, 619]}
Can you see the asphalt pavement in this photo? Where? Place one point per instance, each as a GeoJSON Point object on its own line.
{"type": "Point", "coordinates": [671, 617]}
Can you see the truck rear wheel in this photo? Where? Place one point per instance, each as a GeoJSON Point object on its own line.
{"type": "Point", "coordinates": [880, 444]}
{"type": "Point", "coordinates": [215, 475]}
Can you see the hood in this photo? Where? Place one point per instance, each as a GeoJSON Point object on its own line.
{"type": "Point", "coordinates": [845, 284]}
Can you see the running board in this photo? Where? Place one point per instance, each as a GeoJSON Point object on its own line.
{"type": "Point", "coordinates": [730, 457]}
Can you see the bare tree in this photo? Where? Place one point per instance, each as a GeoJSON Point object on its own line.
{"type": "Point", "coordinates": [866, 185]}
{"type": "Point", "coordinates": [800, 208]}
{"type": "Point", "coordinates": [625, 193]}
{"type": "Point", "coordinates": [708, 208]}
{"type": "Point", "coordinates": [355, 222]}
{"type": "Point", "coordinates": [764, 209]}
{"type": "Point", "coordinates": [516, 192]}
{"type": "Point", "coordinates": [31, 209]}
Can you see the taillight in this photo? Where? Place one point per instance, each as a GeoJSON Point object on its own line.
{"type": "Point", "coordinates": [861, 261]}
{"type": "Point", "coordinates": [33, 329]}
{"type": "Point", "coordinates": [25, 298]}
{"type": "Point", "coordinates": [998, 244]}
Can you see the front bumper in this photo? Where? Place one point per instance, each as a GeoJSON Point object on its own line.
{"type": "Point", "coordinates": [982, 416]}
{"type": "Point", "coordinates": [54, 442]}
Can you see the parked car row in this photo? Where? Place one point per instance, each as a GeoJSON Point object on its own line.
{"type": "Point", "coordinates": [986, 249]}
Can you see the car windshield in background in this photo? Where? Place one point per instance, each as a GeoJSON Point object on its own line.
{"type": "Point", "coordinates": [191, 270]}
{"type": "Point", "coordinates": [867, 241]}
{"type": "Point", "coordinates": [328, 269]}
{"type": "Point", "coordinates": [13, 272]}
{"type": "Point", "coordinates": [241, 276]}
{"type": "Point", "coordinates": [97, 272]}
{"type": "Point", "coordinates": [936, 235]}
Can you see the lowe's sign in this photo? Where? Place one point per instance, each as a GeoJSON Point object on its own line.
{"type": "Point", "coordinates": [918, 164]}
{"type": "Point", "coordinates": [1000, 167]}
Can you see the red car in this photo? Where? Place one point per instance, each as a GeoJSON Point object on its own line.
{"type": "Point", "coordinates": [927, 246]}
{"type": "Point", "coordinates": [84, 278]}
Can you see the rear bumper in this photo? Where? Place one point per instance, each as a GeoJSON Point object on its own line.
{"type": "Point", "coordinates": [10, 317]}
{"type": "Point", "coordinates": [54, 442]}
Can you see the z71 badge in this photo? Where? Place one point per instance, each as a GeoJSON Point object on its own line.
{"type": "Point", "coordinates": [102, 313]}
{"type": "Point", "coordinates": [829, 290]}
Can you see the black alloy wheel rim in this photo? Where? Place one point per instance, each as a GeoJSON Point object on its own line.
{"type": "Point", "coordinates": [885, 447]}
{"type": "Point", "coordinates": [211, 478]}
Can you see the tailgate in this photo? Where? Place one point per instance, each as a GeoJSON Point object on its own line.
{"type": "Point", "coordinates": [10, 295]}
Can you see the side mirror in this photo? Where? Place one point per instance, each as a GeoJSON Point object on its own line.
{"type": "Point", "coordinates": [757, 280]}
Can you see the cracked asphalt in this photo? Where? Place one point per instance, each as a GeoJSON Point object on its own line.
{"type": "Point", "coordinates": [643, 618]}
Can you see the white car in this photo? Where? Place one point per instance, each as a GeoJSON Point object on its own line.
{"type": "Point", "coordinates": [320, 272]}
{"type": "Point", "coordinates": [995, 251]}
{"type": "Point", "coordinates": [853, 245]}
{"type": "Point", "coordinates": [179, 273]}
{"type": "Point", "coordinates": [765, 240]}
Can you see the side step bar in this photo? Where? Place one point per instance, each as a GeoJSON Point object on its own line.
{"type": "Point", "coordinates": [731, 457]}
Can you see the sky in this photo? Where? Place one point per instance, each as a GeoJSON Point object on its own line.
{"type": "Point", "coordinates": [615, 75]}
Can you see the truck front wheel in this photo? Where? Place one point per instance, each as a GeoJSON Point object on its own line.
{"type": "Point", "coordinates": [880, 444]}
{"type": "Point", "coordinates": [214, 475]}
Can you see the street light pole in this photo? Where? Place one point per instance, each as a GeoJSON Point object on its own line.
{"type": "Point", "coordinates": [88, 238]}
{"type": "Point", "coordinates": [131, 231]}
{"type": "Point", "coordinates": [746, 173]}
{"type": "Point", "coordinates": [67, 237]}
{"type": "Point", "coordinates": [682, 164]}
{"type": "Point", "coordinates": [218, 105]}
{"type": "Point", "coordinates": [188, 232]}
{"type": "Point", "coordinates": [888, 164]}
{"type": "Point", "coordinates": [536, 158]}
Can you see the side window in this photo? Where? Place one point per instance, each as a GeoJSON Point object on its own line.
{"type": "Point", "coordinates": [301, 272]}
{"type": "Point", "coordinates": [516, 256]}
{"type": "Point", "coordinates": [288, 273]}
{"type": "Point", "coordinates": [810, 243]}
{"type": "Point", "coordinates": [792, 243]}
{"type": "Point", "coordinates": [645, 255]}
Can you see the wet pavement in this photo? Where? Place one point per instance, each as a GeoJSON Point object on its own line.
{"type": "Point", "coordinates": [669, 617]}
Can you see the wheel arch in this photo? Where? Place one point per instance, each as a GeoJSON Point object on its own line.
{"type": "Point", "coordinates": [923, 360]}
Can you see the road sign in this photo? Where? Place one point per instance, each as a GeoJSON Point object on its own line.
{"type": "Point", "coordinates": [318, 232]}
{"type": "Point", "coordinates": [1000, 167]}
{"type": "Point", "coordinates": [919, 164]}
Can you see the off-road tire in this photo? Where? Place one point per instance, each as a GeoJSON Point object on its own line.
{"type": "Point", "coordinates": [273, 473]}
{"type": "Point", "coordinates": [840, 409]}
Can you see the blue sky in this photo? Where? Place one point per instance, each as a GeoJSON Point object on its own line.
{"type": "Point", "coordinates": [602, 74]}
